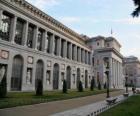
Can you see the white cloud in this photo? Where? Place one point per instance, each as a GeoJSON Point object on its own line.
{"type": "Point", "coordinates": [132, 21]}
{"type": "Point", "coordinates": [42, 4]}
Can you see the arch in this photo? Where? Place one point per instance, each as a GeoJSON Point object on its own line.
{"type": "Point", "coordinates": [68, 78]}
{"type": "Point", "coordinates": [17, 70]}
{"type": "Point", "coordinates": [39, 72]}
{"type": "Point", "coordinates": [55, 76]}
{"type": "Point", "coordinates": [78, 76]}
{"type": "Point", "coordinates": [86, 79]}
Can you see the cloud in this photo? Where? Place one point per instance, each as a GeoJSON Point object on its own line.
{"type": "Point", "coordinates": [131, 21]}
{"type": "Point", "coordinates": [43, 4]}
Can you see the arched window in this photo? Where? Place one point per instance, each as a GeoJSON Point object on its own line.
{"type": "Point", "coordinates": [56, 76]}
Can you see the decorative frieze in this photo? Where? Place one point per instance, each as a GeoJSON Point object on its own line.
{"type": "Point", "coordinates": [49, 63]}
{"type": "Point", "coordinates": [30, 60]}
{"type": "Point", "coordinates": [4, 54]}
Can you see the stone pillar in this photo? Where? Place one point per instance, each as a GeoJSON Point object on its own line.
{"type": "Point", "coordinates": [1, 12]}
{"type": "Point", "coordinates": [25, 33]}
{"type": "Point", "coordinates": [59, 47]}
{"type": "Point", "coordinates": [13, 29]}
{"type": "Point", "coordinates": [35, 39]}
{"type": "Point", "coordinates": [44, 42]}
{"type": "Point", "coordinates": [70, 50]}
{"type": "Point", "coordinates": [65, 49]}
{"type": "Point", "coordinates": [75, 53]}
{"type": "Point", "coordinates": [52, 44]}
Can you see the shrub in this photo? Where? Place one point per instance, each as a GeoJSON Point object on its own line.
{"type": "Point", "coordinates": [39, 89]}
{"type": "Point", "coordinates": [64, 86]}
{"type": "Point", "coordinates": [92, 85]}
{"type": "Point", "coordinates": [3, 88]}
{"type": "Point", "coordinates": [99, 85]}
{"type": "Point", "coordinates": [105, 86]}
{"type": "Point", "coordinates": [80, 87]}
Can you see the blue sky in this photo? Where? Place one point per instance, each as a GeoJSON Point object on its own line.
{"type": "Point", "coordinates": [97, 17]}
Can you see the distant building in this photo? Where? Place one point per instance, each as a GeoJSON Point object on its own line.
{"type": "Point", "coordinates": [103, 49]}
{"type": "Point", "coordinates": [132, 70]}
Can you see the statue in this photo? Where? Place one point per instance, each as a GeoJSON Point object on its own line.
{"type": "Point", "coordinates": [2, 72]}
{"type": "Point", "coordinates": [28, 77]}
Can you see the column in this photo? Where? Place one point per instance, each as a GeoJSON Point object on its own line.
{"type": "Point", "coordinates": [35, 39]}
{"type": "Point", "coordinates": [83, 56]}
{"type": "Point", "coordinates": [110, 74]}
{"type": "Point", "coordinates": [52, 44]}
{"type": "Point", "coordinates": [79, 54]}
{"type": "Point", "coordinates": [75, 53]}
{"type": "Point", "coordinates": [70, 51]}
{"type": "Point", "coordinates": [25, 33]}
{"type": "Point", "coordinates": [59, 47]}
{"type": "Point", "coordinates": [65, 49]}
{"type": "Point", "coordinates": [13, 29]}
{"type": "Point", "coordinates": [1, 12]}
{"type": "Point", "coordinates": [44, 42]}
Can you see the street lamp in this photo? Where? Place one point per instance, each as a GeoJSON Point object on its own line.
{"type": "Point", "coordinates": [107, 75]}
{"type": "Point", "coordinates": [126, 84]}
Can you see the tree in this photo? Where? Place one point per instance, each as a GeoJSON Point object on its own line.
{"type": "Point", "coordinates": [3, 88]}
{"type": "Point", "coordinates": [136, 12]}
{"type": "Point", "coordinates": [92, 85]}
{"type": "Point", "coordinates": [99, 85]}
{"type": "Point", "coordinates": [105, 85]}
{"type": "Point", "coordinates": [64, 86]}
{"type": "Point", "coordinates": [80, 87]}
{"type": "Point", "coordinates": [39, 89]}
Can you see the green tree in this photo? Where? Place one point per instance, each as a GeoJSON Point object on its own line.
{"type": "Point", "coordinates": [39, 89]}
{"type": "Point", "coordinates": [136, 12]}
{"type": "Point", "coordinates": [64, 86]}
{"type": "Point", "coordinates": [92, 85]}
{"type": "Point", "coordinates": [3, 88]}
{"type": "Point", "coordinates": [99, 85]}
{"type": "Point", "coordinates": [80, 87]}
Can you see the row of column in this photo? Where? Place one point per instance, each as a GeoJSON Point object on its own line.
{"type": "Point", "coordinates": [79, 54]}
{"type": "Point", "coordinates": [116, 73]}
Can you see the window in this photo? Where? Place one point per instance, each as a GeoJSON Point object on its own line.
{"type": "Point", "coordinates": [108, 45]}
{"type": "Point", "coordinates": [97, 62]}
{"type": "Point", "coordinates": [62, 48]}
{"type": "Point", "coordinates": [49, 42]}
{"type": "Point", "coordinates": [98, 43]}
{"type": "Point", "coordinates": [5, 27]}
{"type": "Point", "coordinates": [55, 45]}
{"type": "Point", "coordinates": [68, 50]}
{"type": "Point", "coordinates": [72, 52]}
{"type": "Point", "coordinates": [19, 30]}
{"type": "Point", "coordinates": [30, 36]}
{"type": "Point", "coordinates": [93, 61]}
{"type": "Point", "coordinates": [74, 79]}
{"type": "Point", "coordinates": [39, 41]}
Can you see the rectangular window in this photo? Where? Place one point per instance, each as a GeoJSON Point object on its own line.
{"type": "Point", "coordinates": [5, 27]}
{"type": "Point", "coordinates": [19, 30]}
{"type": "Point", "coordinates": [68, 50]}
{"type": "Point", "coordinates": [30, 36]}
{"type": "Point", "coordinates": [62, 48]}
{"type": "Point", "coordinates": [72, 52]}
{"type": "Point", "coordinates": [49, 42]}
{"type": "Point", "coordinates": [55, 45]}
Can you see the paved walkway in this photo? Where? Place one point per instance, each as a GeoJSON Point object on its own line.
{"type": "Point", "coordinates": [45, 109]}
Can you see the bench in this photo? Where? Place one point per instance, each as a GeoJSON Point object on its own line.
{"type": "Point", "coordinates": [111, 101]}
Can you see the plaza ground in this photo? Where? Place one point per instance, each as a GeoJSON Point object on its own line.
{"type": "Point", "coordinates": [45, 109]}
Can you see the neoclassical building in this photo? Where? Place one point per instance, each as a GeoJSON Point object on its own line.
{"type": "Point", "coordinates": [107, 50]}
{"type": "Point", "coordinates": [33, 46]}
{"type": "Point", "coordinates": [132, 70]}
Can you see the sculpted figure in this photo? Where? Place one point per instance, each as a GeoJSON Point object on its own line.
{"type": "Point", "coordinates": [28, 77]}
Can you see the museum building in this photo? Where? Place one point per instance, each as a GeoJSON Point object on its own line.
{"type": "Point", "coordinates": [34, 46]}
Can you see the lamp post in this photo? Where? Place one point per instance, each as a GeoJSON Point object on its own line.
{"type": "Point", "coordinates": [107, 75]}
{"type": "Point", "coordinates": [126, 84]}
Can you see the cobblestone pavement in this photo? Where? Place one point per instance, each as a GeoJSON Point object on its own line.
{"type": "Point", "coordinates": [46, 109]}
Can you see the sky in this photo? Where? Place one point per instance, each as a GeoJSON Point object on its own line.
{"type": "Point", "coordinates": [98, 17]}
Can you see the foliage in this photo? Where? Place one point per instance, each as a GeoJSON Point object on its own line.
{"type": "Point", "coordinates": [92, 85]}
{"type": "Point", "coordinates": [136, 12]}
{"type": "Point", "coordinates": [39, 89]}
{"type": "Point", "coordinates": [80, 87]}
{"type": "Point", "coordinates": [105, 86]}
{"type": "Point", "coordinates": [64, 86]}
{"type": "Point", "coordinates": [99, 85]}
{"type": "Point", "coordinates": [3, 88]}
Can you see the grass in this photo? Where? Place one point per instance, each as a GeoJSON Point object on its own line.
{"type": "Point", "coordinates": [14, 99]}
{"type": "Point", "coordinates": [131, 107]}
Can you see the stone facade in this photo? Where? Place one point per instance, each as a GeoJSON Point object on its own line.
{"type": "Point", "coordinates": [107, 49]}
{"type": "Point", "coordinates": [35, 46]}
{"type": "Point", "coordinates": [132, 70]}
